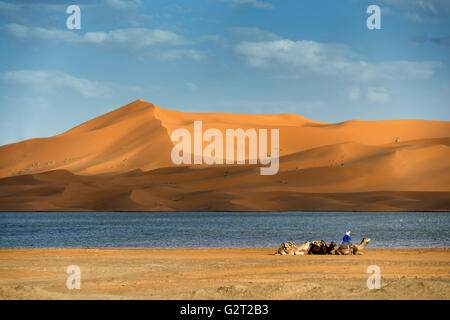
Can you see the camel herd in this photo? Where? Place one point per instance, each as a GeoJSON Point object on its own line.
{"type": "Point", "coordinates": [320, 247]}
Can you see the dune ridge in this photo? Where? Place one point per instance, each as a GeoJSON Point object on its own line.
{"type": "Point", "coordinates": [120, 161]}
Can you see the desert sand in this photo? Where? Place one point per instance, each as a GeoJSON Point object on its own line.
{"type": "Point", "coordinates": [222, 274]}
{"type": "Point", "coordinates": [121, 161]}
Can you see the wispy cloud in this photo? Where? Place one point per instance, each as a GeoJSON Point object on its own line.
{"type": "Point", "coordinates": [51, 82]}
{"type": "Point", "coordinates": [134, 37]}
{"type": "Point", "coordinates": [124, 4]}
{"type": "Point", "coordinates": [139, 42]}
{"type": "Point", "coordinates": [175, 54]}
{"type": "Point", "coordinates": [253, 3]}
{"type": "Point", "coordinates": [252, 34]}
{"type": "Point", "coordinates": [300, 57]}
{"type": "Point", "coordinates": [434, 6]}
{"type": "Point", "coordinates": [418, 11]}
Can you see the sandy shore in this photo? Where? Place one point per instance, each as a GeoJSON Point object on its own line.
{"type": "Point", "coordinates": [222, 274]}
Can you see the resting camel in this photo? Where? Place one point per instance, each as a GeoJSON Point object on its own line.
{"type": "Point", "coordinates": [320, 247]}
{"type": "Point", "coordinates": [289, 248]}
{"type": "Point", "coordinates": [354, 249]}
{"type": "Point", "coordinates": [332, 248]}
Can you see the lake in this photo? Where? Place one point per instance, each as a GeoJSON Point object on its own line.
{"type": "Point", "coordinates": [219, 229]}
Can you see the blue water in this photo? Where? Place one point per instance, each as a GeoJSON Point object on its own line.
{"type": "Point", "coordinates": [219, 230]}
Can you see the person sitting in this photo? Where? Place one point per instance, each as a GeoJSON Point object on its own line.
{"type": "Point", "coordinates": [347, 237]}
{"type": "Point", "coordinates": [346, 241]}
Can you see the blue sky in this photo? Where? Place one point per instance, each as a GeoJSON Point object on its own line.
{"type": "Point", "coordinates": [313, 58]}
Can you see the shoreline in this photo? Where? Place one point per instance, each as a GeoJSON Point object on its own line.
{"type": "Point", "coordinates": [399, 210]}
{"type": "Point", "coordinates": [222, 273]}
{"type": "Point", "coordinates": [203, 248]}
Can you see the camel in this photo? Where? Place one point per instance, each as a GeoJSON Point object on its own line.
{"type": "Point", "coordinates": [303, 248]}
{"type": "Point", "coordinates": [332, 248]}
{"type": "Point", "coordinates": [354, 248]}
{"type": "Point", "coordinates": [284, 249]}
{"type": "Point", "coordinates": [357, 249]}
{"type": "Point", "coordinates": [320, 247]}
{"type": "Point", "coordinates": [289, 248]}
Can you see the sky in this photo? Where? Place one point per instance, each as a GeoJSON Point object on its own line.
{"type": "Point", "coordinates": [315, 58]}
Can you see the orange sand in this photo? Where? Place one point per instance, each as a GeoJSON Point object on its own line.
{"type": "Point", "coordinates": [121, 161]}
{"type": "Point", "coordinates": [222, 274]}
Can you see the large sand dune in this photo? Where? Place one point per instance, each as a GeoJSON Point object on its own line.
{"type": "Point", "coordinates": [121, 161]}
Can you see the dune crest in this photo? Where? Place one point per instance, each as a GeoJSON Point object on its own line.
{"type": "Point", "coordinates": [121, 161]}
{"type": "Point", "coordinates": [125, 139]}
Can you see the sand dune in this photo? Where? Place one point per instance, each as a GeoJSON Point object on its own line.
{"type": "Point", "coordinates": [121, 161]}
{"type": "Point", "coordinates": [130, 137]}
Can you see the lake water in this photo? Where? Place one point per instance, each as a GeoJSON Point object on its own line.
{"type": "Point", "coordinates": [219, 229]}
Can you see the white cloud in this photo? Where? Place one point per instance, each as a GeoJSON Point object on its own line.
{"type": "Point", "coordinates": [123, 4]}
{"type": "Point", "coordinates": [53, 81]}
{"type": "Point", "coordinates": [130, 37]}
{"type": "Point", "coordinates": [37, 33]}
{"type": "Point", "coordinates": [378, 95]}
{"type": "Point", "coordinates": [394, 70]}
{"type": "Point", "coordinates": [434, 6]}
{"type": "Point", "coordinates": [253, 3]}
{"type": "Point", "coordinates": [301, 57]}
{"type": "Point", "coordinates": [252, 34]}
{"type": "Point", "coordinates": [140, 37]}
{"type": "Point", "coordinates": [175, 54]}
{"type": "Point", "coordinates": [418, 11]}
{"type": "Point", "coordinates": [140, 42]}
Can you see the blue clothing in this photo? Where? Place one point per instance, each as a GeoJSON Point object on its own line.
{"type": "Point", "coordinates": [346, 238]}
